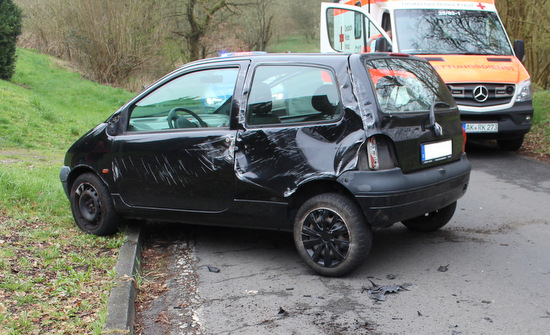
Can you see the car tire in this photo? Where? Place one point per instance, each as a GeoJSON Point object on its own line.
{"type": "Point", "coordinates": [511, 145]}
{"type": "Point", "coordinates": [92, 206]}
{"type": "Point", "coordinates": [431, 221]}
{"type": "Point", "coordinates": [331, 234]}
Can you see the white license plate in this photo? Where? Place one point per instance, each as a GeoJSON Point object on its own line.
{"type": "Point", "coordinates": [436, 151]}
{"type": "Point", "coordinates": [480, 127]}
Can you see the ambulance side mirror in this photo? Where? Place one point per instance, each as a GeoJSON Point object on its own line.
{"type": "Point", "coordinates": [519, 49]}
{"type": "Point", "coordinates": [382, 45]}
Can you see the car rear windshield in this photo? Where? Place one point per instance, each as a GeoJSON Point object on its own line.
{"type": "Point", "coordinates": [405, 85]}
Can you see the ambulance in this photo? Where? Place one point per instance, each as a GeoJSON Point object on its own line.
{"type": "Point", "coordinates": [464, 41]}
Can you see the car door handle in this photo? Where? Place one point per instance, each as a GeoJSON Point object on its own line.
{"type": "Point", "coordinates": [231, 141]}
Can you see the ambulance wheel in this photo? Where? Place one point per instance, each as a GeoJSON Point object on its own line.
{"type": "Point", "coordinates": [511, 145]}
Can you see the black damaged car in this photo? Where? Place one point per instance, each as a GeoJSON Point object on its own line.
{"type": "Point", "coordinates": [327, 146]}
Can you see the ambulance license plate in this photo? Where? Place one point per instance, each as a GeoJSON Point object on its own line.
{"type": "Point", "coordinates": [436, 151]}
{"type": "Point", "coordinates": [480, 127]}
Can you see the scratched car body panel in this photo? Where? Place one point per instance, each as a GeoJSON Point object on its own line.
{"type": "Point", "coordinates": [327, 146]}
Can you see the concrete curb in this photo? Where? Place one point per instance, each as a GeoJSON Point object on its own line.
{"type": "Point", "coordinates": [121, 310]}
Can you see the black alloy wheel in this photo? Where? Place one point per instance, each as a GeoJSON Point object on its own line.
{"type": "Point", "coordinates": [325, 237]}
{"type": "Point", "coordinates": [331, 234]}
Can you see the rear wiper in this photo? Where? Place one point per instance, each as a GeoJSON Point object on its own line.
{"type": "Point", "coordinates": [434, 125]}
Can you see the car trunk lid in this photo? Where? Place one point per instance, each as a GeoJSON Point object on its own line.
{"type": "Point", "coordinates": [416, 111]}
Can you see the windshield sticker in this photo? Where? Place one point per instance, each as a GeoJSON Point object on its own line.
{"type": "Point", "coordinates": [448, 13]}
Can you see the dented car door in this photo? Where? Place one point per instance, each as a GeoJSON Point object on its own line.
{"type": "Point", "coordinates": [295, 128]}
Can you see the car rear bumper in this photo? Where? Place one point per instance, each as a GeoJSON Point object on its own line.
{"type": "Point", "coordinates": [390, 196]}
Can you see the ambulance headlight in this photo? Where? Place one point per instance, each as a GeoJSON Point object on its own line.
{"type": "Point", "coordinates": [524, 91]}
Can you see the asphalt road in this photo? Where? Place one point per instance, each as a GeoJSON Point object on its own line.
{"type": "Point", "coordinates": [486, 272]}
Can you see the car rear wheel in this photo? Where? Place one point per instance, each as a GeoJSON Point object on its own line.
{"type": "Point", "coordinates": [92, 206]}
{"type": "Point", "coordinates": [331, 234]}
{"type": "Point", "coordinates": [431, 221]}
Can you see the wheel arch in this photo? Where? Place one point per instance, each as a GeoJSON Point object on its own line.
{"type": "Point", "coordinates": [80, 170]}
{"type": "Point", "coordinates": [315, 187]}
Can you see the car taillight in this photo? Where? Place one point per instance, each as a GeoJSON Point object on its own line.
{"type": "Point", "coordinates": [463, 139]}
{"type": "Point", "coordinates": [372, 150]}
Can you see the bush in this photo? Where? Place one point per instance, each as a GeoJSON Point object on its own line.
{"type": "Point", "coordinates": [10, 28]}
{"type": "Point", "coordinates": [118, 42]}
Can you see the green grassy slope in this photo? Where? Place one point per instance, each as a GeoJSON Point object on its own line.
{"type": "Point", "coordinates": [44, 110]}
{"type": "Point", "coordinates": [47, 106]}
{"type": "Point", "coordinates": [539, 137]}
{"type": "Point", "coordinates": [293, 43]}
{"type": "Point", "coordinates": [53, 278]}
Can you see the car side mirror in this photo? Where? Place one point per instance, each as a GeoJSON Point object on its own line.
{"type": "Point", "coordinates": [519, 49]}
{"type": "Point", "coordinates": [112, 128]}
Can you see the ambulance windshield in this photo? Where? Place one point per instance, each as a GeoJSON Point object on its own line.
{"type": "Point", "coordinates": [444, 31]}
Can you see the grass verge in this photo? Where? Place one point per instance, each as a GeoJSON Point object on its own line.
{"type": "Point", "coordinates": [53, 278]}
{"type": "Point", "coordinates": [538, 140]}
{"type": "Point", "coordinates": [293, 43]}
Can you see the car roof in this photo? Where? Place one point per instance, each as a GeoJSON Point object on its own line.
{"type": "Point", "coordinates": [295, 57]}
{"type": "Point", "coordinates": [272, 57]}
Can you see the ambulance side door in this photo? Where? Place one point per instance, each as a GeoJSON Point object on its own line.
{"type": "Point", "coordinates": [351, 29]}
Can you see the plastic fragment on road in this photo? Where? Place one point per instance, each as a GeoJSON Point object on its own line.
{"type": "Point", "coordinates": [213, 269]}
{"type": "Point", "coordinates": [378, 292]}
{"type": "Point", "coordinates": [282, 312]}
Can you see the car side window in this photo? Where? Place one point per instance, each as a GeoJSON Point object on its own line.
{"type": "Point", "coordinates": [194, 100]}
{"type": "Point", "coordinates": [292, 94]}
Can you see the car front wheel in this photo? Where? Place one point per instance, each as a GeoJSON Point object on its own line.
{"type": "Point", "coordinates": [332, 235]}
{"type": "Point", "coordinates": [92, 206]}
{"type": "Point", "coordinates": [431, 221]}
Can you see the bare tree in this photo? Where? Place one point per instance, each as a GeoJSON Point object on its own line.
{"type": "Point", "coordinates": [530, 22]}
{"type": "Point", "coordinates": [305, 15]}
{"type": "Point", "coordinates": [256, 23]}
{"type": "Point", "coordinates": [198, 16]}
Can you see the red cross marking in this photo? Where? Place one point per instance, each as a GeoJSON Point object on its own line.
{"type": "Point", "coordinates": [480, 6]}
{"type": "Point", "coordinates": [341, 37]}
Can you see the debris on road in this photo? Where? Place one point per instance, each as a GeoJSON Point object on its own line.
{"type": "Point", "coordinates": [443, 268]}
{"type": "Point", "coordinates": [378, 293]}
{"type": "Point", "coordinates": [282, 312]}
{"type": "Point", "coordinates": [213, 269]}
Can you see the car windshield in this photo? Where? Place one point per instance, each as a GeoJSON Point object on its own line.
{"type": "Point", "coordinates": [443, 31]}
{"type": "Point", "coordinates": [404, 85]}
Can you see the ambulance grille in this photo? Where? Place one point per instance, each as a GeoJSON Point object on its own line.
{"type": "Point", "coordinates": [482, 94]}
